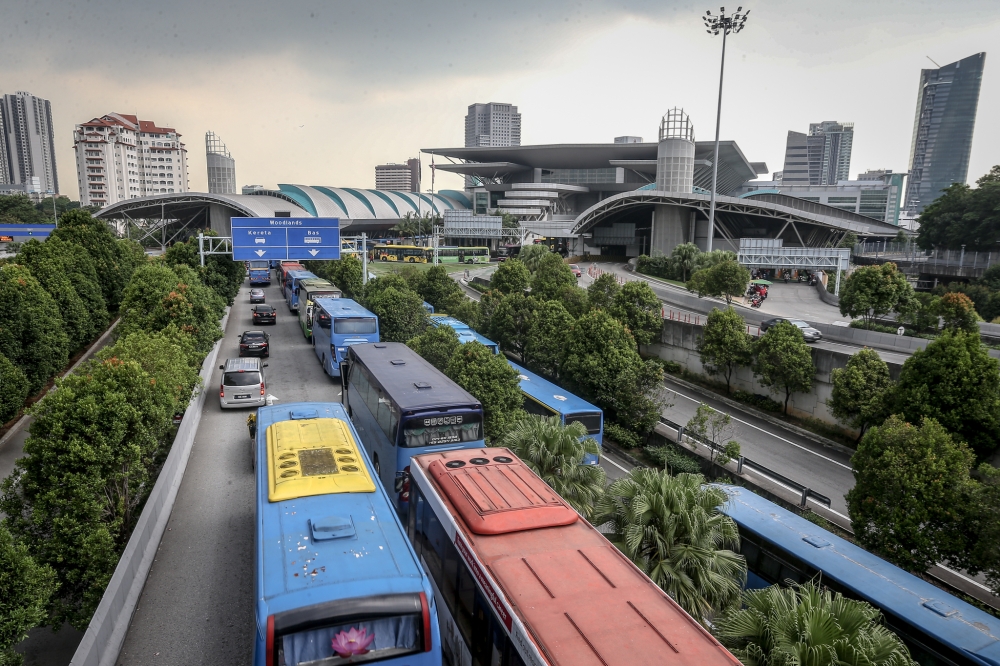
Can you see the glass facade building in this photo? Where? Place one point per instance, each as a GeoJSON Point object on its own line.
{"type": "Point", "coordinates": [942, 130]}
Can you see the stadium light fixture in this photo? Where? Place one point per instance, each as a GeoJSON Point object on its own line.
{"type": "Point", "coordinates": [715, 24]}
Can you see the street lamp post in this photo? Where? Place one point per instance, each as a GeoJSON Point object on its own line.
{"type": "Point", "coordinates": [714, 25]}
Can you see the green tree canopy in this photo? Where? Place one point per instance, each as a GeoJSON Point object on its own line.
{"type": "Point", "coordinates": [871, 292]}
{"type": "Point", "coordinates": [437, 345]}
{"type": "Point", "coordinates": [982, 528]}
{"type": "Point", "coordinates": [964, 216]}
{"type": "Point", "coordinates": [510, 277]}
{"type": "Point", "coordinates": [555, 452]}
{"type": "Point", "coordinates": [684, 258]}
{"type": "Point", "coordinates": [807, 624]}
{"type": "Point", "coordinates": [492, 381]}
{"type": "Point", "coordinates": [957, 383]}
{"type": "Point", "coordinates": [13, 389]}
{"type": "Point", "coordinates": [32, 334]}
{"type": "Point", "coordinates": [575, 300]}
{"type": "Point", "coordinates": [75, 495]}
{"type": "Point", "coordinates": [783, 360]}
{"type": "Point", "coordinates": [603, 366]}
{"type": "Point", "coordinates": [726, 279]}
{"type": "Point", "coordinates": [511, 322]}
{"type": "Point", "coordinates": [602, 291]}
{"type": "Point", "coordinates": [25, 590]}
{"type": "Point", "coordinates": [911, 489]}
{"type": "Point", "coordinates": [551, 277]}
{"type": "Point", "coordinates": [672, 529]}
{"type": "Point", "coordinates": [437, 288]}
{"type": "Point", "coordinates": [958, 313]}
{"type": "Point", "coordinates": [531, 255]}
{"type": "Point", "coordinates": [168, 356]}
{"type": "Point", "coordinates": [400, 312]}
{"type": "Point", "coordinates": [725, 344]}
{"type": "Point", "coordinates": [345, 273]}
{"type": "Point", "coordinates": [18, 209]}
{"type": "Point", "coordinates": [220, 273]}
{"type": "Point", "coordinates": [637, 307]}
{"type": "Point", "coordinates": [860, 391]}
{"type": "Point", "coordinates": [545, 345]}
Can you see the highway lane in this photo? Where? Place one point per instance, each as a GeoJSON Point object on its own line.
{"type": "Point", "coordinates": [197, 604]}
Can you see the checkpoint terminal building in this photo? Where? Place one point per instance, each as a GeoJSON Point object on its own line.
{"type": "Point", "coordinates": [620, 199]}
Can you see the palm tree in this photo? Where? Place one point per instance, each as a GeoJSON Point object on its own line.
{"type": "Point", "coordinates": [672, 529]}
{"type": "Point", "coordinates": [807, 625]}
{"type": "Point", "coordinates": [685, 257]}
{"type": "Point", "coordinates": [555, 453]}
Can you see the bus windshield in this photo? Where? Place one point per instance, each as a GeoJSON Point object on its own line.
{"type": "Point", "coordinates": [592, 421]}
{"type": "Point", "coordinates": [354, 326]}
{"type": "Point", "coordinates": [355, 642]}
{"type": "Point", "coordinates": [441, 429]}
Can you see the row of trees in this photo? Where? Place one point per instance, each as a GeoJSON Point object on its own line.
{"type": "Point", "coordinates": [964, 216]}
{"type": "Point", "coordinates": [97, 443]}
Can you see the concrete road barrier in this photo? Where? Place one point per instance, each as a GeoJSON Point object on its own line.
{"type": "Point", "coordinates": [102, 642]}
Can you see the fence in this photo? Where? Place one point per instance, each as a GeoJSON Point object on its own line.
{"type": "Point", "coordinates": [930, 259]}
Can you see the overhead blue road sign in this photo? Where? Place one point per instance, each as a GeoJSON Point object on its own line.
{"type": "Point", "coordinates": [276, 238]}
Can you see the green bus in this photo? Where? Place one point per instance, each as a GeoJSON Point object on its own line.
{"type": "Point", "coordinates": [309, 290]}
{"type": "Point", "coordinates": [463, 255]}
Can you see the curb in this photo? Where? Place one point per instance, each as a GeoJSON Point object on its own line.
{"type": "Point", "coordinates": [86, 357]}
{"type": "Point", "coordinates": [751, 411]}
{"type": "Point", "coordinates": [105, 635]}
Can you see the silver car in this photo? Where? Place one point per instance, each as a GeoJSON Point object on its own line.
{"type": "Point", "coordinates": [243, 383]}
{"type": "Point", "coordinates": [808, 332]}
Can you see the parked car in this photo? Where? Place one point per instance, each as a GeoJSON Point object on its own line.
{"type": "Point", "coordinates": [242, 383]}
{"type": "Point", "coordinates": [808, 332]}
{"type": "Point", "coordinates": [265, 314]}
{"type": "Point", "coordinates": [576, 270]}
{"type": "Point", "coordinates": [255, 343]}
{"type": "Point", "coordinates": [256, 296]}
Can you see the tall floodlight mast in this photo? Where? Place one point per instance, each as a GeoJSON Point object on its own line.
{"type": "Point", "coordinates": [714, 25]}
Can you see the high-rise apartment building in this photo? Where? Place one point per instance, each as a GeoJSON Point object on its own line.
{"type": "Point", "coordinates": [121, 157]}
{"type": "Point", "coordinates": [495, 125]}
{"type": "Point", "coordinates": [221, 166]}
{"type": "Point", "coordinates": [822, 157]}
{"type": "Point", "coordinates": [27, 147]}
{"type": "Point", "coordinates": [942, 130]}
{"type": "Point", "coordinates": [400, 177]}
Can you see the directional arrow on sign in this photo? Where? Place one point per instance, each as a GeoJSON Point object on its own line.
{"type": "Point", "coordinates": [260, 253]}
{"type": "Point", "coordinates": [314, 252]}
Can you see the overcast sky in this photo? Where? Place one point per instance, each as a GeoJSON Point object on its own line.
{"type": "Point", "coordinates": [319, 92]}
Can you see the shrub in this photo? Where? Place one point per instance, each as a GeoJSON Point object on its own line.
{"type": "Point", "coordinates": [25, 589]}
{"type": "Point", "coordinates": [758, 401]}
{"type": "Point", "coordinates": [13, 389]}
{"type": "Point", "coordinates": [32, 336]}
{"type": "Point", "coordinates": [674, 459]}
{"type": "Point", "coordinates": [621, 436]}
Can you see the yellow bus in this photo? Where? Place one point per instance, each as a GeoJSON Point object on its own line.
{"type": "Point", "coordinates": [408, 253]}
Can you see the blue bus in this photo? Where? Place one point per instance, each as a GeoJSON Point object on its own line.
{"type": "Point", "coordinates": [781, 546]}
{"type": "Point", "coordinates": [428, 307]}
{"type": "Point", "coordinates": [260, 273]}
{"type": "Point", "coordinates": [543, 398]}
{"type": "Point", "coordinates": [464, 331]}
{"type": "Point", "coordinates": [335, 578]}
{"type": "Point", "coordinates": [337, 324]}
{"type": "Point", "coordinates": [403, 406]}
{"type": "Point", "coordinates": [291, 287]}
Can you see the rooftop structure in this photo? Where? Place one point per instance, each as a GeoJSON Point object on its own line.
{"type": "Point", "coordinates": [27, 147]}
{"type": "Point", "coordinates": [628, 139]}
{"type": "Point", "coordinates": [221, 166]}
{"type": "Point", "coordinates": [947, 99]}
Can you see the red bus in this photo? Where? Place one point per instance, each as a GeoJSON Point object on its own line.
{"type": "Point", "coordinates": [520, 578]}
{"type": "Point", "coordinates": [284, 267]}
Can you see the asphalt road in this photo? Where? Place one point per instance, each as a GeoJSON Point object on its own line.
{"type": "Point", "coordinates": [197, 604]}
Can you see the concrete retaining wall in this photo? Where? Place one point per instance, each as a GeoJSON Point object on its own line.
{"type": "Point", "coordinates": [679, 343]}
{"type": "Point", "coordinates": [102, 642]}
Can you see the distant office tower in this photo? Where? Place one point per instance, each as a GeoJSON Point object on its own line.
{"type": "Point", "coordinates": [400, 177]}
{"type": "Point", "coordinates": [628, 139]}
{"type": "Point", "coordinates": [121, 157]}
{"type": "Point", "coordinates": [942, 130]}
{"type": "Point", "coordinates": [221, 166]}
{"type": "Point", "coordinates": [822, 157]}
{"type": "Point", "coordinates": [495, 125]}
{"type": "Point", "coordinates": [27, 148]}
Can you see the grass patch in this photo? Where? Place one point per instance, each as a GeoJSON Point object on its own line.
{"type": "Point", "coordinates": [385, 267]}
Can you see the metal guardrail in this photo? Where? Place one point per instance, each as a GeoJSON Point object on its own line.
{"type": "Point", "coordinates": [805, 493]}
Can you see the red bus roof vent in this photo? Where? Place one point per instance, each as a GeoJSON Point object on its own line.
{"type": "Point", "coordinates": [495, 493]}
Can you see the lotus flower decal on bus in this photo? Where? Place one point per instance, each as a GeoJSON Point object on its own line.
{"type": "Point", "coordinates": [349, 643]}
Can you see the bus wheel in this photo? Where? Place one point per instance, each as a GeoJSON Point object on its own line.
{"type": "Point", "coordinates": [323, 362]}
{"type": "Point", "coordinates": [384, 259]}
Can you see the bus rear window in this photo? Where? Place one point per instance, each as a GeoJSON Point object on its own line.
{"type": "Point", "coordinates": [442, 429]}
{"type": "Point", "coordinates": [354, 326]}
{"type": "Point", "coordinates": [592, 422]}
{"type": "Point", "coordinates": [361, 641]}
{"type": "Point", "coordinates": [241, 379]}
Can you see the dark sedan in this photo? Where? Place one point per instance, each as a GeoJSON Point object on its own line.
{"type": "Point", "coordinates": [256, 296]}
{"type": "Point", "coordinates": [255, 343]}
{"type": "Point", "coordinates": [265, 314]}
{"type": "Point", "coordinates": [808, 332]}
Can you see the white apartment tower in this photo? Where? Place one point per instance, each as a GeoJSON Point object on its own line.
{"type": "Point", "coordinates": [496, 125]}
{"type": "Point", "coordinates": [120, 157]}
{"type": "Point", "coordinates": [27, 148]}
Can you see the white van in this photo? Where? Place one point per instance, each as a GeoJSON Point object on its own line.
{"type": "Point", "coordinates": [243, 383]}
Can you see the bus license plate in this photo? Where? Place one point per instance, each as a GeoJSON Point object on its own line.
{"type": "Point", "coordinates": [242, 397]}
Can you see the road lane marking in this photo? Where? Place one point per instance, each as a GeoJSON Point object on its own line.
{"type": "Point", "coordinates": [766, 432]}
{"type": "Point", "coordinates": [608, 458]}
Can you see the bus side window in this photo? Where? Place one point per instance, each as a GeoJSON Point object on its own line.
{"type": "Point", "coordinates": [361, 382]}
{"type": "Point", "coordinates": [386, 419]}
{"type": "Point", "coordinates": [537, 408]}
{"type": "Point", "coordinates": [372, 400]}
